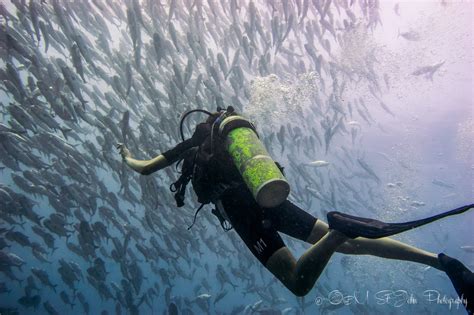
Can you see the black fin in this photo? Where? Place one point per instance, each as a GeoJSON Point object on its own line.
{"type": "Point", "coordinates": [461, 278]}
{"type": "Point", "coordinates": [353, 226]}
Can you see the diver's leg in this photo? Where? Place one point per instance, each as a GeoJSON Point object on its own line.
{"type": "Point", "coordinates": [382, 247]}
{"type": "Point", "coordinates": [391, 249]}
{"type": "Point", "coordinates": [258, 228]}
{"type": "Point", "coordinates": [294, 221]}
{"type": "Point", "coordinates": [299, 276]}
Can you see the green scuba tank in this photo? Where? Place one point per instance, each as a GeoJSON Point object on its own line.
{"type": "Point", "coordinates": [262, 176]}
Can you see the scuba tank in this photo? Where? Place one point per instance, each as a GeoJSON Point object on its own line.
{"type": "Point", "coordinates": [238, 137]}
{"type": "Point", "coordinates": [262, 176]}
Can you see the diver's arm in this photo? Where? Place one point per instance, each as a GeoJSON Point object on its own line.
{"type": "Point", "coordinates": [144, 167]}
{"type": "Point", "coordinates": [148, 166]}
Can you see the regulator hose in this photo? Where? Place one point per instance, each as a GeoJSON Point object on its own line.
{"type": "Point", "coordinates": [186, 115]}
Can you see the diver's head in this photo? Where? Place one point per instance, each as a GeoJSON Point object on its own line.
{"type": "Point", "coordinates": [220, 113]}
{"type": "Point", "coordinates": [229, 110]}
{"type": "Point", "coordinates": [212, 117]}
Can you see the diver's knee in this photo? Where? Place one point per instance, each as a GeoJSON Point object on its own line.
{"type": "Point", "coordinates": [352, 247]}
{"type": "Point", "coordinates": [297, 285]}
{"type": "Point", "coordinates": [294, 286]}
{"type": "Point", "coordinates": [282, 265]}
{"type": "Point", "coordinates": [320, 229]}
{"type": "Point", "coordinates": [347, 248]}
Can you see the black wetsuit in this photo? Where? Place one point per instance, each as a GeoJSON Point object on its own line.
{"type": "Point", "coordinates": [258, 227]}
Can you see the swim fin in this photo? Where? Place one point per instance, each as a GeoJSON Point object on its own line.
{"type": "Point", "coordinates": [461, 278]}
{"type": "Point", "coordinates": [353, 226]}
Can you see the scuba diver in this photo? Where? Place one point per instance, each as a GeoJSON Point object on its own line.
{"type": "Point", "coordinates": [229, 167]}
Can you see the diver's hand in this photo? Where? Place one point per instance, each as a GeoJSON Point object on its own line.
{"type": "Point", "coordinates": [123, 151]}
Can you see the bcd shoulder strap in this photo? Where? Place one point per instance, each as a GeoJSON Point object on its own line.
{"type": "Point", "coordinates": [179, 186]}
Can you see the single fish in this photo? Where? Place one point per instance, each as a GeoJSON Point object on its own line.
{"type": "Point", "coordinates": [410, 35]}
{"type": "Point", "coordinates": [396, 9]}
{"type": "Point", "coordinates": [428, 71]}
{"type": "Point", "coordinates": [319, 163]}
{"type": "Point", "coordinates": [468, 248]}
{"type": "Point", "coordinates": [442, 184]}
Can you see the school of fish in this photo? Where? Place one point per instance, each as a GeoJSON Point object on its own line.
{"type": "Point", "coordinates": [77, 77]}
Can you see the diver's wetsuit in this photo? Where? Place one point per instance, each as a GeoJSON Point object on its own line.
{"type": "Point", "coordinates": [258, 227]}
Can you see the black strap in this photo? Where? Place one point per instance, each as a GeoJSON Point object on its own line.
{"type": "Point", "coordinates": [179, 187]}
{"type": "Point", "coordinates": [224, 223]}
{"type": "Point", "coordinates": [281, 168]}
{"type": "Point", "coordinates": [195, 215]}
